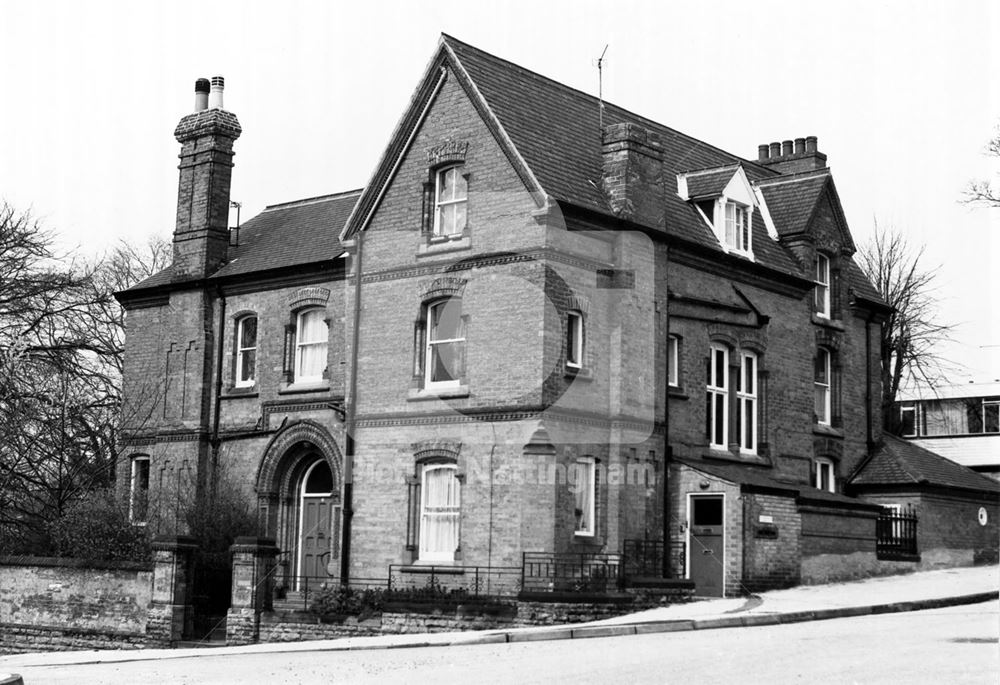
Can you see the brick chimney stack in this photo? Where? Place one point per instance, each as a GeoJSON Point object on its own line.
{"type": "Point", "coordinates": [632, 177]}
{"type": "Point", "coordinates": [791, 157]}
{"type": "Point", "coordinates": [201, 234]}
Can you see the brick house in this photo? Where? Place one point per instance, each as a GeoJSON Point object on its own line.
{"type": "Point", "coordinates": [547, 324]}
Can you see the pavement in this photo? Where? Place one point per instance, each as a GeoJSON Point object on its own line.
{"type": "Point", "coordinates": [912, 592]}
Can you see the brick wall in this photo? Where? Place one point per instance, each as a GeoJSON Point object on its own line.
{"type": "Point", "coordinates": [772, 541]}
{"type": "Point", "coordinates": [58, 604]}
{"type": "Point", "coordinates": [839, 544]}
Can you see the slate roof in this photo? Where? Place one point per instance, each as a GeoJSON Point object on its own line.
{"type": "Point", "coordinates": [709, 183]}
{"type": "Point", "coordinates": [281, 236]}
{"type": "Point", "coordinates": [557, 131]}
{"type": "Point", "coordinates": [901, 462]}
{"type": "Point", "coordinates": [790, 201]}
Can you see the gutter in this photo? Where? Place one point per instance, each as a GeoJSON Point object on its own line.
{"type": "Point", "coordinates": [217, 400]}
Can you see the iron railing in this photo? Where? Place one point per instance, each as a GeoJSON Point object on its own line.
{"type": "Point", "coordinates": [644, 558]}
{"type": "Point", "coordinates": [570, 572]}
{"type": "Point", "coordinates": [896, 534]}
{"type": "Point", "coordinates": [433, 583]}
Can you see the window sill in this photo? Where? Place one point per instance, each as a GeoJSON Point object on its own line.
{"type": "Point", "coordinates": [435, 567]}
{"type": "Point", "coordinates": [422, 394]}
{"type": "Point", "coordinates": [239, 393]}
{"type": "Point", "coordinates": [300, 388]}
{"type": "Point", "coordinates": [827, 322]}
{"type": "Point", "coordinates": [581, 372]}
{"type": "Point", "coordinates": [677, 393]}
{"type": "Point", "coordinates": [828, 431]}
{"type": "Point", "coordinates": [435, 245]}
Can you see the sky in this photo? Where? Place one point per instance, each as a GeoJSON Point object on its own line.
{"type": "Point", "coordinates": [902, 95]}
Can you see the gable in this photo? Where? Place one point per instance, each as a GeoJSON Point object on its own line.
{"type": "Point", "coordinates": [827, 224]}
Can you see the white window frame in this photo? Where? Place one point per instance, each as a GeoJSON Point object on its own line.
{"type": "Point", "coordinates": [442, 227]}
{"type": "Point", "coordinates": [301, 344]}
{"type": "Point", "coordinates": [430, 307]}
{"type": "Point", "coordinates": [821, 301]}
{"type": "Point", "coordinates": [824, 419]}
{"type": "Point", "coordinates": [134, 489]}
{"type": "Point", "coordinates": [736, 229]}
{"type": "Point", "coordinates": [428, 514]}
{"type": "Point", "coordinates": [988, 403]}
{"type": "Point", "coordinates": [673, 361]}
{"type": "Point", "coordinates": [819, 466]}
{"type": "Point", "coordinates": [575, 340]}
{"type": "Point", "coordinates": [584, 482]}
{"type": "Point", "coordinates": [242, 382]}
{"type": "Point", "coordinates": [912, 409]}
{"type": "Point", "coordinates": [746, 401]}
{"type": "Point", "coordinates": [715, 390]}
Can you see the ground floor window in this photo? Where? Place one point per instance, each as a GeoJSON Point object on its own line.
{"type": "Point", "coordinates": [823, 475]}
{"type": "Point", "coordinates": [584, 486]}
{"type": "Point", "coordinates": [138, 509]}
{"type": "Point", "coordinates": [440, 507]}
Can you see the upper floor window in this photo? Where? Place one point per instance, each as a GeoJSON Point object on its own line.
{"type": "Point", "coordinates": [584, 484]}
{"type": "Point", "coordinates": [574, 339]}
{"type": "Point", "coordinates": [821, 292]}
{"type": "Point", "coordinates": [908, 420]}
{"type": "Point", "coordinates": [445, 353]}
{"type": "Point", "coordinates": [673, 361]}
{"type": "Point", "coordinates": [312, 334]}
{"type": "Point", "coordinates": [737, 226]}
{"type": "Point", "coordinates": [984, 415]}
{"type": "Point", "coordinates": [746, 396]}
{"type": "Point", "coordinates": [138, 503]}
{"type": "Point", "coordinates": [821, 386]}
{"type": "Point", "coordinates": [246, 351]}
{"type": "Point", "coordinates": [440, 509]}
{"type": "Point", "coordinates": [823, 475]}
{"type": "Point", "coordinates": [451, 192]}
{"type": "Point", "coordinates": [717, 397]}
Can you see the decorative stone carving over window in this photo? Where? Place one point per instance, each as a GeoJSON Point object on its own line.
{"type": "Point", "coordinates": [309, 297]}
{"type": "Point", "coordinates": [450, 152]}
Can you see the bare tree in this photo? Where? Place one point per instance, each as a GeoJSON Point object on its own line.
{"type": "Point", "coordinates": [983, 191]}
{"type": "Point", "coordinates": [61, 348]}
{"type": "Point", "coordinates": [912, 332]}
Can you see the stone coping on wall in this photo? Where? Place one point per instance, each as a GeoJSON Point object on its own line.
{"type": "Point", "coordinates": [69, 562]}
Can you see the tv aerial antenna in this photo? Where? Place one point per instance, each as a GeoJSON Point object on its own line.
{"type": "Point", "coordinates": [600, 85]}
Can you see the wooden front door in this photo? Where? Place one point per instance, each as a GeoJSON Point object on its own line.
{"type": "Point", "coordinates": [706, 547]}
{"type": "Point", "coordinates": [315, 509]}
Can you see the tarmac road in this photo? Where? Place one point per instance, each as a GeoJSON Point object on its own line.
{"type": "Point", "coordinates": [952, 645]}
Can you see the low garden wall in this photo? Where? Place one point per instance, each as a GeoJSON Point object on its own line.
{"type": "Point", "coordinates": [49, 604]}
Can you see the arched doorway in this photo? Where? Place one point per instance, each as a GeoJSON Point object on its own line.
{"type": "Point", "coordinates": [298, 490]}
{"type": "Point", "coordinates": [315, 516]}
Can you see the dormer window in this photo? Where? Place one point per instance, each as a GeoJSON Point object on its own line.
{"type": "Point", "coordinates": [737, 229]}
{"type": "Point", "coordinates": [451, 191]}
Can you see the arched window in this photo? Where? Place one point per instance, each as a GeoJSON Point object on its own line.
{"type": "Point", "coordinates": [246, 351]}
{"type": "Point", "coordinates": [450, 197]}
{"type": "Point", "coordinates": [440, 508]}
{"type": "Point", "coordinates": [824, 475]}
{"type": "Point", "coordinates": [822, 380]}
{"type": "Point", "coordinates": [312, 334]}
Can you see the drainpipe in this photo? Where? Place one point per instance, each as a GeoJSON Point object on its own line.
{"type": "Point", "coordinates": [215, 442]}
{"type": "Point", "coordinates": [869, 442]}
{"type": "Point", "coordinates": [666, 423]}
{"type": "Point", "coordinates": [351, 422]}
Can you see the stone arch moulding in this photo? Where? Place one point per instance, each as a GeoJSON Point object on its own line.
{"type": "Point", "coordinates": [273, 464]}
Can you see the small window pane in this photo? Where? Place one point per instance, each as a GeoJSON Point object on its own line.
{"type": "Point", "coordinates": [706, 511]}
{"type": "Point", "coordinates": [248, 332]}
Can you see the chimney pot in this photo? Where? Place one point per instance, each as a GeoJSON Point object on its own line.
{"type": "Point", "coordinates": [810, 143]}
{"type": "Point", "coordinates": [775, 150]}
{"type": "Point", "coordinates": [800, 146]}
{"type": "Point", "coordinates": [215, 96]}
{"type": "Point", "coordinates": [786, 148]}
{"type": "Point", "coordinates": [201, 88]}
{"type": "Point", "coordinates": [762, 152]}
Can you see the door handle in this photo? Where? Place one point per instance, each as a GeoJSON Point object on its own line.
{"type": "Point", "coordinates": [706, 551]}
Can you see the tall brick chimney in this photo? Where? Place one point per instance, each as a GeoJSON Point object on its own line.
{"type": "Point", "coordinates": [632, 173]}
{"type": "Point", "coordinates": [790, 157]}
{"type": "Point", "coordinates": [201, 234]}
